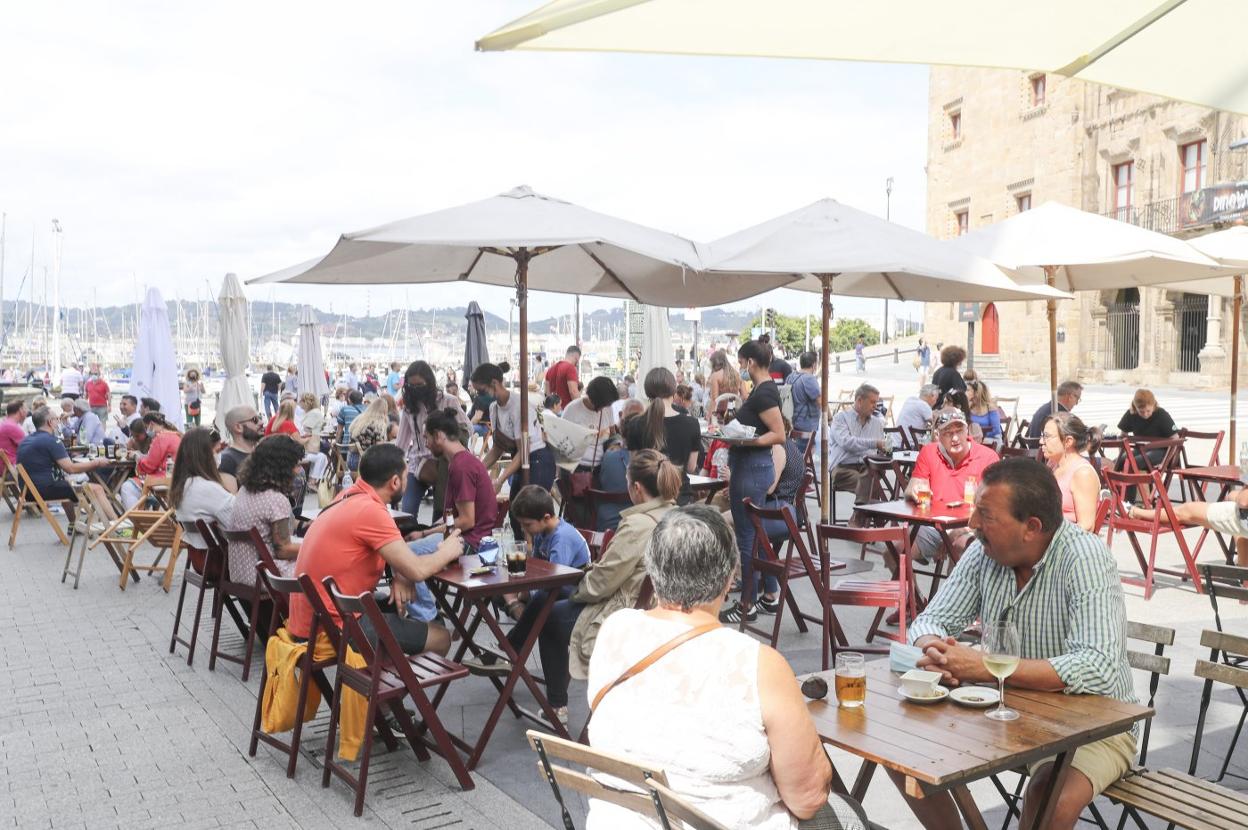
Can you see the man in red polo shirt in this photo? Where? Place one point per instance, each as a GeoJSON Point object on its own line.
{"type": "Point", "coordinates": [354, 538]}
{"type": "Point", "coordinates": [944, 466]}
{"type": "Point", "coordinates": [562, 378]}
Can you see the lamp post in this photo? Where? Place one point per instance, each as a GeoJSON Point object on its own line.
{"type": "Point", "coordinates": [888, 211]}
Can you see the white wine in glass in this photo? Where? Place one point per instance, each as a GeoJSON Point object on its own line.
{"type": "Point", "coordinates": [1001, 651]}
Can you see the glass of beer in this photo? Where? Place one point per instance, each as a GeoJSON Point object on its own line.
{"type": "Point", "coordinates": [851, 679]}
{"type": "Point", "coordinates": [923, 497]}
{"type": "Point", "coordinates": [518, 559]}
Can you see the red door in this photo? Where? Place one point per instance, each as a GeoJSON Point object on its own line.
{"type": "Point", "coordinates": [991, 331]}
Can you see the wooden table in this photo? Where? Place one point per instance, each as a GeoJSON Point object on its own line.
{"type": "Point", "coordinates": [906, 458]}
{"type": "Point", "coordinates": [943, 747]}
{"type": "Point", "coordinates": [939, 516]}
{"type": "Point", "coordinates": [707, 486]}
{"type": "Point", "coordinates": [1228, 477]}
{"type": "Point", "coordinates": [474, 601]}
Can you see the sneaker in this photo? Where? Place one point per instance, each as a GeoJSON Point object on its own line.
{"type": "Point", "coordinates": [768, 606]}
{"type": "Point", "coordinates": [487, 665]}
{"type": "Point", "coordinates": [735, 613]}
{"type": "Point", "coordinates": [561, 712]}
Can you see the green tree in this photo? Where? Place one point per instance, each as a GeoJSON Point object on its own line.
{"type": "Point", "coordinates": [790, 331]}
{"type": "Point", "coordinates": [845, 333]}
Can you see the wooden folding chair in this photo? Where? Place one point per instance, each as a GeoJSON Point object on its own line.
{"type": "Point", "coordinates": [1164, 521]}
{"type": "Point", "coordinates": [597, 541]}
{"type": "Point", "coordinates": [651, 796]}
{"type": "Point", "coordinates": [887, 400]}
{"type": "Point", "coordinates": [887, 478]}
{"type": "Point", "coordinates": [1136, 457]}
{"type": "Point", "coordinates": [1021, 434]}
{"type": "Point", "coordinates": [162, 531]}
{"type": "Point", "coordinates": [203, 570]}
{"type": "Point", "coordinates": [280, 589]}
{"type": "Point", "coordinates": [253, 594]}
{"type": "Point", "coordinates": [918, 437]}
{"type": "Point", "coordinates": [387, 679]}
{"type": "Point", "coordinates": [896, 593]}
{"type": "Point", "coordinates": [1195, 488]}
{"type": "Point", "coordinates": [1227, 655]}
{"type": "Point", "coordinates": [900, 439]}
{"type": "Point", "coordinates": [797, 563]}
{"type": "Point", "coordinates": [28, 496]}
{"type": "Point", "coordinates": [90, 523]}
{"type": "Point", "coordinates": [10, 489]}
{"type": "Point", "coordinates": [597, 498]}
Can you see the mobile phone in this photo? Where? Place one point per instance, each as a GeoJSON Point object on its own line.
{"type": "Point", "coordinates": [957, 503]}
{"type": "Point", "coordinates": [481, 570]}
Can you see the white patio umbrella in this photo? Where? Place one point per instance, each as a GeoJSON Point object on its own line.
{"type": "Point", "coordinates": [308, 356]}
{"type": "Point", "coordinates": [526, 240]}
{"type": "Point", "coordinates": [1230, 248]}
{"type": "Point", "coordinates": [656, 343]}
{"type": "Point", "coordinates": [1116, 43]}
{"type": "Point", "coordinates": [827, 246]}
{"type": "Point", "coordinates": [1074, 250]}
{"type": "Point", "coordinates": [155, 372]}
{"type": "Point", "coordinates": [235, 331]}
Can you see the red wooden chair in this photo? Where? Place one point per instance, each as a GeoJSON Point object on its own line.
{"type": "Point", "coordinates": [387, 679]}
{"type": "Point", "coordinates": [1136, 458]}
{"type": "Point", "coordinates": [204, 567]}
{"type": "Point", "coordinates": [280, 589]}
{"type": "Point", "coordinates": [796, 563]}
{"type": "Point", "coordinates": [1194, 488]}
{"type": "Point", "coordinates": [597, 498]}
{"type": "Point", "coordinates": [918, 437]}
{"type": "Point", "coordinates": [896, 593]}
{"type": "Point", "coordinates": [1153, 492]}
{"type": "Point", "coordinates": [597, 540]}
{"type": "Point", "coordinates": [252, 593]}
{"type": "Point", "coordinates": [888, 480]}
{"type": "Point", "coordinates": [901, 439]}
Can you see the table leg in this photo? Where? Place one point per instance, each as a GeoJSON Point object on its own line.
{"type": "Point", "coordinates": [862, 781]}
{"type": "Point", "coordinates": [459, 622]}
{"type": "Point", "coordinates": [1048, 796]}
{"type": "Point", "coordinates": [518, 657]}
{"type": "Point", "coordinates": [966, 805]}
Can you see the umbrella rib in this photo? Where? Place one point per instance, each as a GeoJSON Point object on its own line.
{"type": "Point", "coordinates": [610, 273]}
{"type": "Point", "coordinates": [889, 280]}
{"type": "Point", "coordinates": [472, 265]}
{"type": "Point", "coordinates": [1083, 62]}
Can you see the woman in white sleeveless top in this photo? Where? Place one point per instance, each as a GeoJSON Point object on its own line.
{"type": "Point", "coordinates": [721, 713]}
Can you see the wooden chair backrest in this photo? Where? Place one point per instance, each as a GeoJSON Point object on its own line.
{"type": "Point", "coordinates": [882, 488]}
{"type": "Point", "coordinates": [673, 804]}
{"type": "Point", "coordinates": [917, 436]}
{"type": "Point", "coordinates": [156, 527]}
{"type": "Point", "coordinates": [280, 588]}
{"type": "Point", "coordinates": [1224, 582]}
{"type": "Point", "coordinates": [1154, 662]}
{"type": "Point", "coordinates": [1224, 649]}
{"type": "Point", "coordinates": [1150, 490]}
{"type": "Point", "coordinates": [1137, 450]}
{"type": "Point", "coordinates": [1185, 433]}
{"type": "Point", "coordinates": [7, 469]}
{"type": "Point", "coordinates": [321, 618]}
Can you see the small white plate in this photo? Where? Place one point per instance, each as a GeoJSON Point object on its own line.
{"type": "Point", "coordinates": [976, 697]}
{"type": "Point", "coordinates": [941, 694]}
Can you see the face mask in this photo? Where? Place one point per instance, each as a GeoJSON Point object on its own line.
{"type": "Point", "coordinates": [745, 375]}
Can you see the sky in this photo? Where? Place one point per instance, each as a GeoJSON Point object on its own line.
{"type": "Point", "coordinates": [178, 142]}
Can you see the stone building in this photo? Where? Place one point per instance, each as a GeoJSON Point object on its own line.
{"type": "Point", "coordinates": [1000, 141]}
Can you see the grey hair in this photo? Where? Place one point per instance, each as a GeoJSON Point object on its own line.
{"type": "Point", "coordinates": [40, 417]}
{"type": "Point", "coordinates": [928, 389]}
{"type": "Point", "coordinates": [691, 556]}
{"type": "Point", "coordinates": [865, 390]}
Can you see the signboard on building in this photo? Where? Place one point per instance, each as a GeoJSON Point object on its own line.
{"type": "Point", "coordinates": [1220, 203]}
{"type": "Point", "coordinates": [968, 312]}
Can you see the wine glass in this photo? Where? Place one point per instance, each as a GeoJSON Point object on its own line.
{"type": "Point", "coordinates": [1000, 646]}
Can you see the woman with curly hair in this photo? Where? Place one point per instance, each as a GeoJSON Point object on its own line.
{"type": "Point", "coordinates": [947, 376]}
{"type": "Point", "coordinates": [421, 396]}
{"type": "Point", "coordinates": [265, 484]}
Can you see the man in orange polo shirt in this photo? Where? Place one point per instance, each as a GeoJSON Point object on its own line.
{"type": "Point", "coordinates": [354, 538]}
{"type": "Point", "coordinates": [943, 467]}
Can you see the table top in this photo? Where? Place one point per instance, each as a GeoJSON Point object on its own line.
{"type": "Point", "coordinates": [540, 575]}
{"type": "Point", "coordinates": [1228, 473]}
{"type": "Point", "coordinates": [944, 744]}
{"type": "Point", "coordinates": [906, 456]}
{"type": "Point", "coordinates": [704, 481]}
{"type": "Point", "coordinates": [902, 510]}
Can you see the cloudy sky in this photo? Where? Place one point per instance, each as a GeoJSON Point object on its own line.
{"type": "Point", "coordinates": [176, 142]}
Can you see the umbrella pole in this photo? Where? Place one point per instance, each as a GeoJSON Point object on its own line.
{"type": "Point", "coordinates": [825, 481]}
{"type": "Point", "coordinates": [1050, 278]}
{"type": "Point", "coordinates": [1236, 305]}
{"type": "Point", "coordinates": [522, 302]}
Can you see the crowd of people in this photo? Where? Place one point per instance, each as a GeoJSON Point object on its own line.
{"type": "Point", "coordinates": [415, 438]}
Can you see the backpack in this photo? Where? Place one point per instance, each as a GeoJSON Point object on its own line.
{"type": "Point", "coordinates": [786, 401]}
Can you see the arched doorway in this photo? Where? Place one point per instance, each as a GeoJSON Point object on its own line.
{"type": "Point", "coordinates": [991, 331]}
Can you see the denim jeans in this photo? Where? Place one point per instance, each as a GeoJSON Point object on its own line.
{"type": "Point", "coordinates": [414, 494]}
{"type": "Point", "coordinates": [752, 474]}
{"type": "Point", "coordinates": [541, 470]}
{"type": "Point", "coordinates": [552, 642]}
{"type": "Point", "coordinates": [270, 404]}
{"type": "Point", "coordinates": [424, 607]}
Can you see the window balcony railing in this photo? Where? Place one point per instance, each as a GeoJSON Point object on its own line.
{"type": "Point", "coordinates": [1170, 216]}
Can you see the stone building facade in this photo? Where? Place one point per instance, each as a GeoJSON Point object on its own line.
{"type": "Point", "coordinates": [1001, 141]}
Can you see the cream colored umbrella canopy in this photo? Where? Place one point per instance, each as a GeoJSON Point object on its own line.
{"type": "Point", "coordinates": [828, 246]}
{"type": "Point", "coordinates": [1190, 50]}
{"type": "Point", "coordinates": [525, 240]}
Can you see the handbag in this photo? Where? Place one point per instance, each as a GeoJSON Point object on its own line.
{"type": "Point", "coordinates": [428, 472]}
{"type": "Point", "coordinates": [325, 492]}
{"type": "Point", "coordinates": [582, 481]}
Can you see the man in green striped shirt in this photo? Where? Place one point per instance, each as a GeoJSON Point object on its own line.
{"type": "Point", "coordinates": [1059, 584]}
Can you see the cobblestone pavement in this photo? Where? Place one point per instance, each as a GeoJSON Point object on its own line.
{"type": "Point", "coordinates": [102, 727]}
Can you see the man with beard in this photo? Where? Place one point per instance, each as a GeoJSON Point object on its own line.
{"type": "Point", "coordinates": [1059, 585]}
{"type": "Point", "coordinates": [243, 425]}
{"type": "Point", "coordinates": [421, 397]}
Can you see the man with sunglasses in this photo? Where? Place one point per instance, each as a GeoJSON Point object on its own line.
{"type": "Point", "coordinates": [244, 429]}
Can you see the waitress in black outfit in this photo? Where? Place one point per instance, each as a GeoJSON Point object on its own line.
{"type": "Point", "coordinates": [675, 434]}
{"type": "Point", "coordinates": [752, 471]}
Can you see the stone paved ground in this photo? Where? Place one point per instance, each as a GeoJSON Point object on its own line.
{"type": "Point", "coordinates": [103, 728]}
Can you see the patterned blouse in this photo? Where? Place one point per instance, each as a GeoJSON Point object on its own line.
{"type": "Point", "coordinates": [411, 438]}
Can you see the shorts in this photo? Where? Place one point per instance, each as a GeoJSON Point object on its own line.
{"type": "Point", "coordinates": [1223, 517]}
{"type": "Point", "coordinates": [410, 634]}
{"type": "Point", "coordinates": [1102, 762]}
{"type": "Point", "coordinates": [58, 490]}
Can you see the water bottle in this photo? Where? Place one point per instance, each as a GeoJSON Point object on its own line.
{"type": "Point", "coordinates": [1243, 462]}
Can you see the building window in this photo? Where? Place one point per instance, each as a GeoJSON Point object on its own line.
{"type": "Point", "coordinates": [1037, 90]}
{"type": "Point", "coordinates": [1124, 176]}
{"type": "Point", "coordinates": [963, 219]}
{"type": "Point", "coordinates": [955, 125]}
{"type": "Point", "coordinates": [1023, 202]}
{"type": "Point", "coordinates": [1195, 161]}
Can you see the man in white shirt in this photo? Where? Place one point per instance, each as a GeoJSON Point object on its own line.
{"type": "Point", "coordinates": [856, 433]}
{"type": "Point", "coordinates": [916, 412]}
{"type": "Point", "coordinates": [71, 382]}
